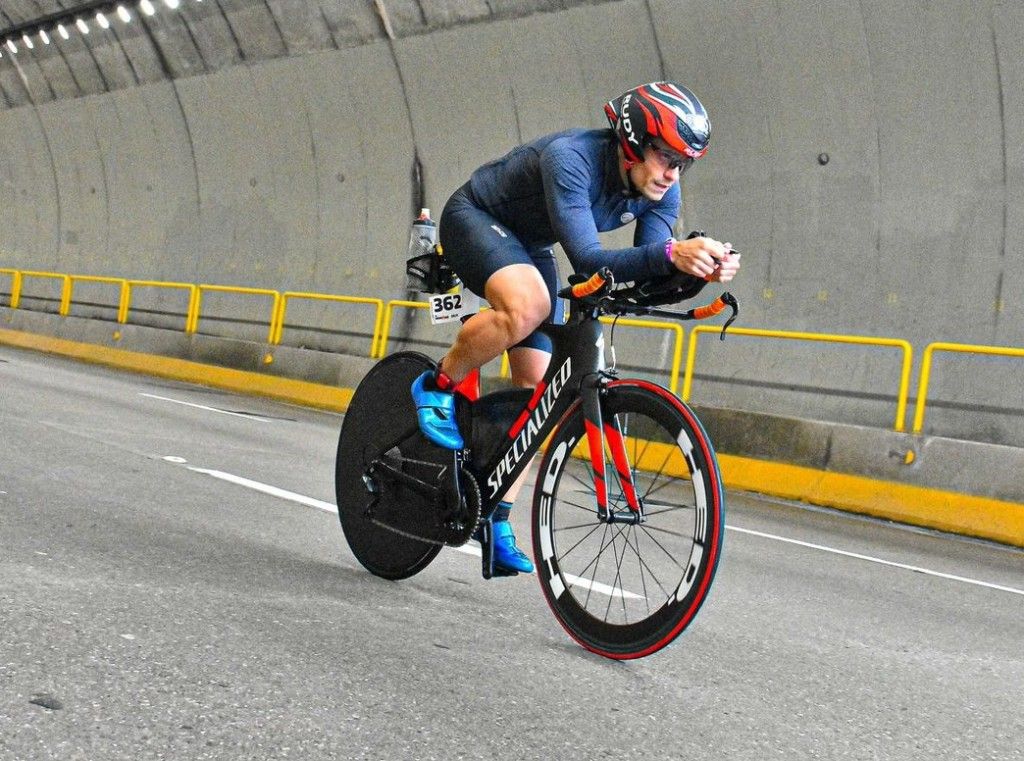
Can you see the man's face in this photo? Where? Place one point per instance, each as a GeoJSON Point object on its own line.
{"type": "Point", "coordinates": [659, 171]}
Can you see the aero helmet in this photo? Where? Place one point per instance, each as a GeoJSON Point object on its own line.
{"type": "Point", "coordinates": [659, 109]}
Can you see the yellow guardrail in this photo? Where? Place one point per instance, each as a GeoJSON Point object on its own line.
{"type": "Point", "coordinates": [275, 308]}
{"type": "Point", "coordinates": [65, 291]}
{"type": "Point", "coordinates": [382, 340]}
{"type": "Point", "coordinates": [383, 316]}
{"type": "Point", "coordinates": [926, 369]}
{"type": "Point", "coordinates": [377, 320]}
{"type": "Point", "coordinates": [193, 295]}
{"type": "Point", "coordinates": [15, 285]}
{"type": "Point", "coordinates": [904, 346]}
{"type": "Point", "coordinates": [118, 281]}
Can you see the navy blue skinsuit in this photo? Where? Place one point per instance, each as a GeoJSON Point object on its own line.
{"type": "Point", "coordinates": [562, 188]}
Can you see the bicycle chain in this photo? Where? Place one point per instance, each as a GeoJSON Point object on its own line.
{"type": "Point", "coordinates": [471, 501]}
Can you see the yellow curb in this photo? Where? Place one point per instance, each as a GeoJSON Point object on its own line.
{"type": "Point", "coordinates": [966, 514]}
{"type": "Point", "coordinates": [282, 389]}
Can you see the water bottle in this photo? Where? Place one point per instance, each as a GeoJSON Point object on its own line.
{"type": "Point", "coordinates": [419, 265]}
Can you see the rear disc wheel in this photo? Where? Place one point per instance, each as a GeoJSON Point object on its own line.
{"type": "Point", "coordinates": [381, 425]}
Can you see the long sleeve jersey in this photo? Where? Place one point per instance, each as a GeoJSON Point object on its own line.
{"type": "Point", "coordinates": [565, 188]}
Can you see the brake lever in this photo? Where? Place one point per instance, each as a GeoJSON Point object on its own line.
{"type": "Point", "coordinates": [729, 300]}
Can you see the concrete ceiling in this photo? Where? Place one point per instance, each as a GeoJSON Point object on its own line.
{"type": "Point", "coordinates": [201, 36]}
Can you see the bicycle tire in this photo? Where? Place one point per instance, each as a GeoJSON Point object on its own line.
{"type": "Point", "coordinates": [642, 602]}
{"type": "Point", "coordinates": [381, 417]}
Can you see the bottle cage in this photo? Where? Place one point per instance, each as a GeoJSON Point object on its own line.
{"type": "Point", "coordinates": [430, 273]}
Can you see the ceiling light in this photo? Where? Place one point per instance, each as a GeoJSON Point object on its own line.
{"type": "Point", "coordinates": [147, 7]}
{"type": "Point", "coordinates": [102, 21]}
{"type": "Point", "coordinates": [28, 41]}
{"type": "Point", "coordinates": [172, 4]}
{"type": "Point", "coordinates": [44, 36]}
{"type": "Point", "coordinates": [62, 31]}
{"type": "Point", "coordinates": [123, 14]}
{"type": "Point", "coordinates": [11, 46]}
{"type": "Point", "coordinates": [82, 26]}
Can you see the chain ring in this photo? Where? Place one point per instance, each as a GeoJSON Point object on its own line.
{"type": "Point", "coordinates": [460, 533]}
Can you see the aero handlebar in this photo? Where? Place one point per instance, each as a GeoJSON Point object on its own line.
{"type": "Point", "coordinates": [597, 293]}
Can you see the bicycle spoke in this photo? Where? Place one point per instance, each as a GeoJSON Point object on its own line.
{"type": "Point", "coordinates": [587, 488]}
{"type": "Point", "coordinates": [658, 474]}
{"type": "Point", "coordinates": [618, 581]}
{"type": "Point", "coordinates": [588, 535]}
{"type": "Point", "coordinates": [604, 546]}
{"type": "Point", "coordinates": [590, 509]}
{"type": "Point", "coordinates": [648, 527]}
{"type": "Point", "coordinates": [668, 510]}
{"type": "Point", "coordinates": [653, 575]}
{"type": "Point", "coordinates": [640, 567]}
{"type": "Point", "coordinates": [660, 545]}
{"type": "Point", "coordinates": [595, 562]}
{"type": "Point", "coordinates": [560, 529]}
{"type": "Point", "coordinates": [664, 485]}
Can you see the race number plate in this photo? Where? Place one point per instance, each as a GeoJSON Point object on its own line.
{"type": "Point", "coordinates": [446, 307]}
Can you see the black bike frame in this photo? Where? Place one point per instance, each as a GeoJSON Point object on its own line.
{"type": "Point", "coordinates": [575, 372]}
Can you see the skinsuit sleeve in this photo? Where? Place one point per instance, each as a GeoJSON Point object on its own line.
{"type": "Point", "coordinates": [567, 181]}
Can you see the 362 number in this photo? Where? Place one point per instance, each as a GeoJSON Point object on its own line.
{"type": "Point", "coordinates": [448, 303]}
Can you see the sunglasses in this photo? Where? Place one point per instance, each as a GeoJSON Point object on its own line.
{"type": "Point", "coordinates": [667, 159]}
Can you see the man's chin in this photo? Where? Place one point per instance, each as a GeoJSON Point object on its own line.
{"type": "Point", "coordinates": [654, 193]}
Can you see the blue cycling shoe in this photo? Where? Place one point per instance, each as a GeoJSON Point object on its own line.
{"type": "Point", "coordinates": [508, 558]}
{"type": "Point", "coordinates": [435, 410]}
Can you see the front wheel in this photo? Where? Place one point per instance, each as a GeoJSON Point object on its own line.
{"type": "Point", "coordinates": [627, 590]}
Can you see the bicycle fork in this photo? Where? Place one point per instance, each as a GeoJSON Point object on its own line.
{"type": "Point", "coordinates": [600, 431]}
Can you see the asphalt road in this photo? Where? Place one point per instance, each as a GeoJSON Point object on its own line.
{"type": "Point", "coordinates": [157, 610]}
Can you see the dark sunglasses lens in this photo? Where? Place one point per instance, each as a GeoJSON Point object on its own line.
{"type": "Point", "coordinates": [674, 160]}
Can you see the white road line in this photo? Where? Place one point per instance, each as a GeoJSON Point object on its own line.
{"type": "Point", "coordinates": [596, 586]}
{"type": "Point", "coordinates": [274, 491]}
{"type": "Point", "coordinates": [327, 507]}
{"type": "Point", "coordinates": [576, 581]}
{"type": "Point", "coordinates": [257, 418]}
{"type": "Point", "coordinates": [604, 589]}
{"type": "Point", "coordinates": [870, 559]}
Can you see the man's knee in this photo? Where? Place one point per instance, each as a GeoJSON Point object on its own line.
{"type": "Point", "coordinates": [522, 301]}
{"type": "Point", "coordinates": [527, 314]}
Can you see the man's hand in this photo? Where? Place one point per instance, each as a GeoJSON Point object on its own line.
{"type": "Point", "coordinates": [706, 258]}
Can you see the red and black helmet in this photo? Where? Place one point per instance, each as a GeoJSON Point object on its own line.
{"type": "Point", "coordinates": [659, 109]}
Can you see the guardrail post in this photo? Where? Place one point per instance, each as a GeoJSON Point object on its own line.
{"type": "Point", "coordinates": [926, 367]}
{"type": "Point", "coordinates": [15, 286]}
{"type": "Point", "coordinates": [382, 345]}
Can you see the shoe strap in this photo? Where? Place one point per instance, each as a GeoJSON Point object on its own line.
{"type": "Point", "coordinates": [442, 380]}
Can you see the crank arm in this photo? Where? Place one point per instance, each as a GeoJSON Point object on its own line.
{"type": "Point", "coordinates": [380, 469]}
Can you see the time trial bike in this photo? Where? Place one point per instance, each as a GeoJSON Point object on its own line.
{"type": "Point", "coordinates": [625, 554]}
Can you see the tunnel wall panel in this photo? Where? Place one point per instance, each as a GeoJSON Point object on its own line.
{"type": "Point", "coordinates": [867, 159]}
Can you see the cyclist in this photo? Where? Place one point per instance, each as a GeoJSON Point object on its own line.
{"type": "Point", "coordinates": [498, 230]}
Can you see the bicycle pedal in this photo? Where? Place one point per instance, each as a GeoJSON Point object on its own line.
{"type": "Point", "coordinates": [499, 571]}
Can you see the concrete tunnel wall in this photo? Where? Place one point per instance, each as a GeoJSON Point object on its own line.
{"type": "Point", "coordinates": [272, 168]}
